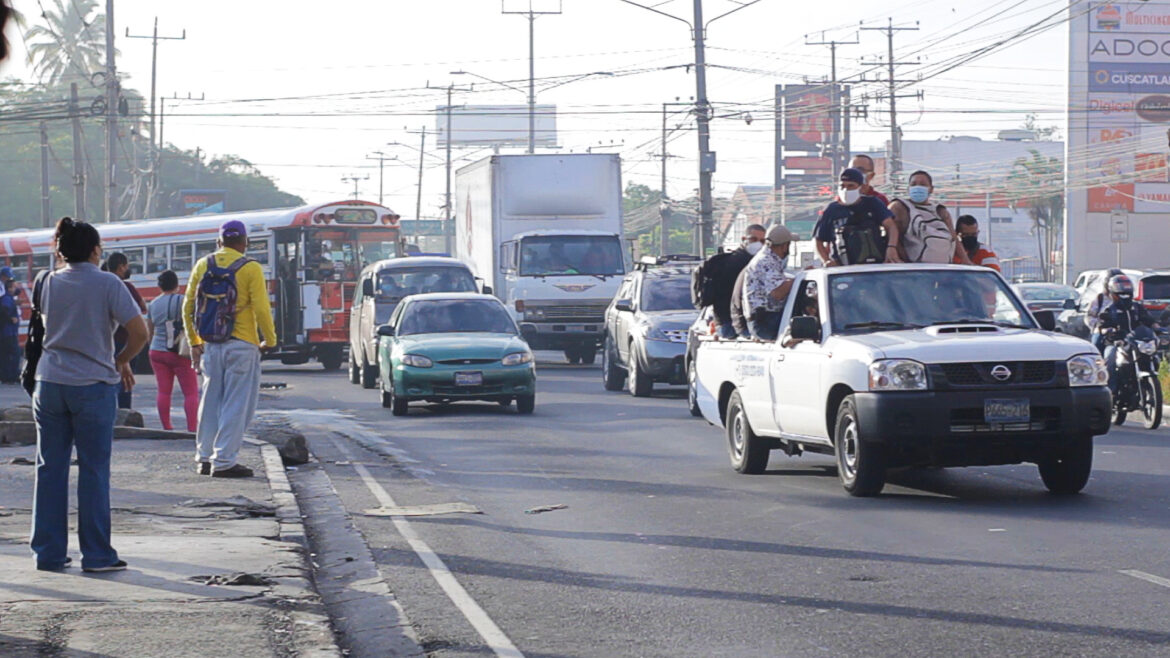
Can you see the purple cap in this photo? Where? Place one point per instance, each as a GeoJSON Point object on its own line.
{"type": "Point", "coordinates": [233, 229]}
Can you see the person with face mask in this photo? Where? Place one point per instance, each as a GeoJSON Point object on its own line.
{"type": "Point", "coordinates": [766, 284]}
{"type": "Point", "coordinates": [1121, 314]}
{"type": "Point", "coordinates": [723, 269]}
{"type": "Point", "coordinates": [928, 234]}
{"type": "Point", "coordinates": [856, 228]}
{"type": "Point", "coordinates": [977, 252]}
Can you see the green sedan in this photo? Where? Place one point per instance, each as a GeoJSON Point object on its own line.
{"type": "Point", "coordinates": [446, 347]}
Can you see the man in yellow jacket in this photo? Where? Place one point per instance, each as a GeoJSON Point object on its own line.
{"type": "Point", "coordinates": [231, 368]}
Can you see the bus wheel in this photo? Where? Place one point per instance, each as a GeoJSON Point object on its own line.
{"type": "Point", "coordinates": [330, 359]}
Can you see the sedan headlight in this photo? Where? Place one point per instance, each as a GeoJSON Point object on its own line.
{"type": "Point", "coordinates": [897, 375]}
{"type": "Point", "coordinates": [417, 361]}
{"type": "Point", "coordinates": [1147, 347]}
{"type": "Point", "coordinates": [517, 358]}
{"type": "Point", "coordinates": [1087, 370]}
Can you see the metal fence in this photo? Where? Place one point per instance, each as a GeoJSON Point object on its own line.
{"type": "Point", "coordinates": [1019, 270]}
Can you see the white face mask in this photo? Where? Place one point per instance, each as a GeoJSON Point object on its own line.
{"type": "Point", "coordinates": [753, 248]}
{"type": "Point", "coordinates": [848, 197]}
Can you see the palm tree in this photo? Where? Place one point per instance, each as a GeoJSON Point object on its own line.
{"type": "Point", "coordinates": [1039, 187]}
{"type": "Point", "coordinates": [69, 43]}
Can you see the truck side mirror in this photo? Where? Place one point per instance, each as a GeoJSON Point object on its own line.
{"type": "Point", "coordinates": [386, 330]}
{"type": "Point", "coordinates": [1069, 305]}
{"type": "Point", "coordinates": [624, 305]}
{"type": "Point", "coordinates": [368, 288]}
{"type": "Point", "coordinates": [805, 327]}
{"type": "Point", "coordinates": [487, 290]}
{"type": "Point", "coordinates": [1046, 319]}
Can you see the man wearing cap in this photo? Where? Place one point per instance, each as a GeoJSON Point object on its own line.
{"type": "Point", "coordinates": [766, 284]}
{"type": "Point", "coordinates": [231, 369]}
{"type": "Point", "coordinates": [857, 228]}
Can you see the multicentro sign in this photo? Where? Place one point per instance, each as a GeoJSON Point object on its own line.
{"type": "Point", "coordinates": [1131, 17]}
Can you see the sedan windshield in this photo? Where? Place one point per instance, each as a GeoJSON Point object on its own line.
{"type": "Point", "coordinates": [444, 316]}
{"type": "Point", "coordinates": [901, 299]}
{"type": "Point", "coordinates": [666, 294]}
{"type": "Point", "coordinates": [571, 254]}
{"type": "Point", "coordinates": [398, 282]}
{"type": "Point", "coordinates": [1047, 293]}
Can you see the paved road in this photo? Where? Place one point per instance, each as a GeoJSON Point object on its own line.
{"type": "Point", "coordinates": [665, 551]}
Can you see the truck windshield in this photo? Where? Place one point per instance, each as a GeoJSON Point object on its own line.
{"type": "Point", "coordinates": [559, 255]}
{"type": "Point", "coordinates": [456, 315]}
{"type": "Point", "coordinates": [880, 301]}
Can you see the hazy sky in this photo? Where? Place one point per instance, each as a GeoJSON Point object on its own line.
{"type": "Point", "coordinates": [328, 61]}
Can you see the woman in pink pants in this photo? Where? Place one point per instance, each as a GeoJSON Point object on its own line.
{"type": "Point", "coordinates": [166, 319]}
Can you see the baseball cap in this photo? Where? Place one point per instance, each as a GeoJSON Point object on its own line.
{"type": "Point", "coordinates": [6, 272]}
{"type": "Point", "coordinates": [779, 234]}
{"type": "Point", "coordinates": [853, 176]}
{"type": "Point", "coordinates": [233, 229]}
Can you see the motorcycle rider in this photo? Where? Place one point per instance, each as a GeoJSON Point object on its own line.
{"type": "Point", "coordinates": [1093, 315]}
{"type": "Point", "coordinates": [1119, 316]}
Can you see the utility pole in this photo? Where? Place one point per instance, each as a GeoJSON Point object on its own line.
{"type": "Point", "coordinates": [664, 203]}
{"type": "Point", "coordinates": [448, 225]}
{"type": "Point", "coordinates": [531, 14]}
{"type": "Point", "coordinates": [78, 165]}
{"type": "Point", "coordinates": [422, 151]}
{"type": "Point", "coordinates": [895, 161]}
{"type": "Point", "coordinates": [154, 38]}
{"type": "Point", "coordinates": [44, 175]}
{"type": "Point", "coordinates": [111, 205]}
{"type": "Point", "coordinates": [381, 158]}
{"type": "Point", "coordinates": [835, 115]}
{"type": "Point", "coordinates": [355, 179]}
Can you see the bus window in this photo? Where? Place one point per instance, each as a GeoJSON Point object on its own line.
{"type": "Point", "coordinates": [181, 258]}
{"type": "Point", "coordinates": [258, 250]}
{"type": "Point", "coordinates": [204, 249]}
{"type": "Point", "coordinates": [137, 260]}
{"type": "Point", "coordinates": [19, 265]}
{"type": "Point", "coordinates": [156, 259]}
{"type": "Point", "coordinates": [40, 264]}
{"type": "Point", "coordinates": [376, 250]}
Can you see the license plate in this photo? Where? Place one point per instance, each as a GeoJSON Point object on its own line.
{"type": "Point", "coordinates": [575, 328]}
{"type": "Point", "coordinates": [1007, 411]}
{"type": "Point", "coordinates": [469, 379]}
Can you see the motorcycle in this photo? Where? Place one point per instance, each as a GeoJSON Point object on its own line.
{"type": "Point", "coordinates": [1138, 386]}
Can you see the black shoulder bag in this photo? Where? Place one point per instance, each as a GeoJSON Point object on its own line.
{"type": "Point", "coordinates": [34, 343]}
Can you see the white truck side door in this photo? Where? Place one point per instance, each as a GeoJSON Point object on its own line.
{"type": "Point", "coordinates": [797, 372]}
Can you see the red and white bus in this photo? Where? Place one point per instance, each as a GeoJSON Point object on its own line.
{"type": "Point", "coordinates": [311, 257]}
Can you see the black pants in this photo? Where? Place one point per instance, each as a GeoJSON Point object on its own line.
{"type": "Point", "coordinates": [9, 359]}
{"type": "Point", "coordinates": [124, 401]}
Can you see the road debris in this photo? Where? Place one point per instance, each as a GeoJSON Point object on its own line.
{"type": "Point", "coordinates": [546, 508]}
{"type": "Point", "coordinates": [424, 510]}
{"type": "Point", "coordinates": [238, 579]}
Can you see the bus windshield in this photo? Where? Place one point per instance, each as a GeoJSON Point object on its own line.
{"type": "Point", "coordinates": [561, 255]}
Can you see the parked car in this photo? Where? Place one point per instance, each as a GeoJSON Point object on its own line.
{"type": "Point", "coordinates": [449, 347]}
{"type": "Point", "coordinates": [909, 365]}
{"type": "Point", "coordinates": [646, 327]}
{"type": "Point", "coordinates": [1045, 296]}
{"type": "Point", "coordinates": [381, 286]}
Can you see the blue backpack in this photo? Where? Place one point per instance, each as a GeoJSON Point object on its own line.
{"type": "Point", "coordinates": [216, 298]}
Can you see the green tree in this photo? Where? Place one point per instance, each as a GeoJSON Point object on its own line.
{"type": "Point", "coordinates": [1038, 186]}
{"type": "Point", "coordinates": [70, 42]}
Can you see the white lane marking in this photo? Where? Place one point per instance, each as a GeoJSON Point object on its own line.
{"type": "Point", "coordinates": [1148, 577]}
{"type": "Point", "coordinates": [495, 638]}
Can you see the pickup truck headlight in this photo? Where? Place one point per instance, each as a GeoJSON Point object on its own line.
{"type": "Point", "coordinates": [897, 375]}
{"type": "Point", "coordinates": [417, 361]}
{"type": "Point", "coordinates": [517, 358]}
{"type": "Point", "coordinates": [1087, 370]}
{"type": "Point", "coordinates": [653, 333]}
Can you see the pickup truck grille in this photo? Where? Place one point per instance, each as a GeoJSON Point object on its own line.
{"type": "Point", "coordinates": [980, 374]}
{"type": "Point", "coordinates": [1044, 419]}
{"type": "Point", "coordinates": [583, 312]}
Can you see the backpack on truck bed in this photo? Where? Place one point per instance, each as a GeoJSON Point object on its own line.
{"type": "Point", "coordinates": [704, 279]}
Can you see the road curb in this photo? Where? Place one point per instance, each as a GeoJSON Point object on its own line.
{"type": "Point", "coordinates": [313, 632]}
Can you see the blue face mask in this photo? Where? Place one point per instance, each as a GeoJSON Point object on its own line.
{"type": "Point", "coordinates": [919, 193]}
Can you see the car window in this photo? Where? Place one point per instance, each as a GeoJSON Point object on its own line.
{"type": "Point", "coordinates": [455, 315]}
{"type": "Point", "coordinates": [1155, 286]}
{"type": "Point", "coordinates": [666, 294]}
{"type": "Point", "coordinates": [1047, 294]}
{"type": "Point", "coordinates": [398, 282]}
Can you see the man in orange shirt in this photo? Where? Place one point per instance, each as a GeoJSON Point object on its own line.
{"type": "Point", "coordinates": [968, 230]}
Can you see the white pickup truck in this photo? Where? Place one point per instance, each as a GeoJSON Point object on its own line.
{"type": "Point", "coordinates": [908, 365]}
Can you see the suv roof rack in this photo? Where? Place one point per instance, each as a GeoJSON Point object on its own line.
{"type": "Point", "coordinates": [646, 262]}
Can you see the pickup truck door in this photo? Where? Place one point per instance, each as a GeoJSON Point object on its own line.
{"type": "Point", "coordinates": [797, 399]}
{"type": "Point", "coordinates": [750, 362]}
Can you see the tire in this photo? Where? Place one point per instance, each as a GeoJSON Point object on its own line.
{"type": "Point", "coordinates": [612, 377]}
{"type": "Point", "coordinates": [1069, 472]}
{"type": "Point", "coordinates": [747, 452]}
{"type": "Point", "coordinates": [588, 355]}
{"type": "Point", "coordinates": [369, 374]}
{"type": "Point", "coordinates": [331, 359]}
{"type": "Point", "coordinates": [398, 406]}
{"type": "Point", "coordinates": [572, 356]}
{"type": "Point", "coordinates": [1119, 416]}
{"type": "Point", "coordinates": [504, 402]}
{"type": "Point", "coordinates": [387, 400]}
{"type": "Point", "coordinates": [525, 404]}
{"type": "Point", "coordinates": [355, 374]}
{"type": "Point", "coordinates": [637, 381]}
{"type": "Point", "coordinates": [1151, 397]}
{"type": "Point", "coordinates": [861, 465]}
{"type": "Point", "coordinates": [693, 390]}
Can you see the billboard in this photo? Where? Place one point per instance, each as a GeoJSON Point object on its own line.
{"type": "Point", "coordinates": [1118, 123]}
{"type": "Point", "coordinates": [496, 125]}
{"type": "Point", "coordinates": [200, 202]}
{"type": "Point", "coordinates": [807, 116]}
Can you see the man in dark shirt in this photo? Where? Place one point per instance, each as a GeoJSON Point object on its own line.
{"type": "Point", "coordinates": [859, 215]}
{"type": "Point", "coordinates": [118, 264]}
{"type": "Point", "coordinates": [729, 267]}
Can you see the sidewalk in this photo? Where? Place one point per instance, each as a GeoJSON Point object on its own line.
{"type": "Point", "coordinates": [178, 531]}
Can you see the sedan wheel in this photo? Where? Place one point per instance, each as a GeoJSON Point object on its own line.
{"type": "Point", "coordinates": [612, 377]}
{"type": "Point", "coordinates": [693, 390]}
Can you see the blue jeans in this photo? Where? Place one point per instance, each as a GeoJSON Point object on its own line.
{"type": "Point", "coordinates": [69, 416]}
{"type": "Point", "coordinates": [727, 330]}
{"type": "Point", "coordinates": [765, 325]}
{"type": "Point", "coordinates": [1098, 340]}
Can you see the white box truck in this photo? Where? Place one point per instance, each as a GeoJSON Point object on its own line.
{"type": "Point", "coordinates": [546, 231]}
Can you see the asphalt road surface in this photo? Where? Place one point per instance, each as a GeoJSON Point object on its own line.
{"type": "Point", "coordinates": [663, 550]}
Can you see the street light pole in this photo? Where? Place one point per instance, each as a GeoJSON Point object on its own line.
{"type": "Point", "coordinates": [531, 14]}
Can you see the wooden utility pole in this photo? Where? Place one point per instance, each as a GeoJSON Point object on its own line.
{"type": "Point", "coordinates": [78, 162]}
{"type": "Point", "coordinates": [154, 147]}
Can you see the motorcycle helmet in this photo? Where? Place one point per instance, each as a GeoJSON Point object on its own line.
{"type": "Point", "coordinates": [1121, 286]}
